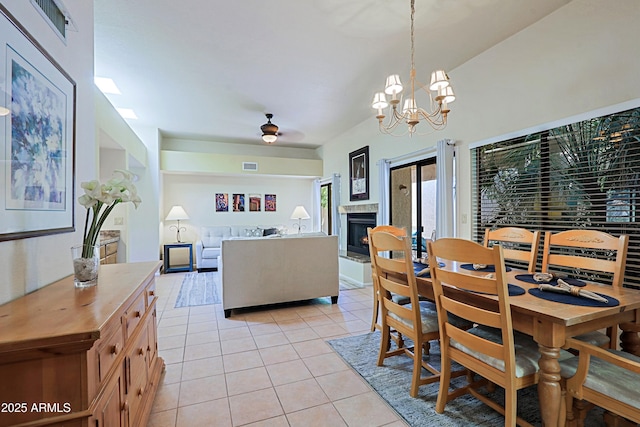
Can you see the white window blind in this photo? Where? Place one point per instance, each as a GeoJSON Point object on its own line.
{"type": "Point", "coordinates": [581, 175]}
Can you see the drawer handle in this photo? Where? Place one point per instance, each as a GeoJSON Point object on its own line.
{"type": "Point", "coordinates": [138, 314]}
{"type": "Point", "coordinates": [141, 352]}
{"type": "Point", "coordinates": [152, 293]}
{"type": "Point", "coordinates": [125, 406]}
{"type": "Point", "coordinates": [115, 349]}
{"type": "Point", "coordinates": [141, 391]}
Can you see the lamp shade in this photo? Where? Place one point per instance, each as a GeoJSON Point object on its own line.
{"type": "Point", "coordinates": [379, 101]}
{"type": "Point", "coordinates": [177, 213]}
{"type": "Point", "coordinates": [393, 85]}
{"type": "Point", "coordinates": [300, 213]}
{"type": "Point", "coordinates": [439, 79]}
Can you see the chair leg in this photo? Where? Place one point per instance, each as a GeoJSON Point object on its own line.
{"type": "Point", "coordinates": [510, 406]}
{"type": "Point", "coordinates": [445, 379]}
{"type": "Point", "coordinates": [376, 305]}
{"type": "Point", "coordinates": [417, 370]}
{"type": "Point", "coordinates": [385, 343]}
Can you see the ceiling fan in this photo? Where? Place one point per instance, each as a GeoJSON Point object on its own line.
{"type": "Point", "coordinates": [269, 130]}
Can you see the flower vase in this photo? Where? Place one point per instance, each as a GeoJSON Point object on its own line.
{"type": "Point", "coordinates": [86, 263]}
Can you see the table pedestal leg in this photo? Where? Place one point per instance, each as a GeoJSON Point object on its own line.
{"type": "Point", "coordinates": [549, 389]}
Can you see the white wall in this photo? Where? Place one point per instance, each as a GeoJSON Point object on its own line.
{"type": "Point", "coordinates": [29, 264]}
{"type": "Point", "coordinates": [579, 59]}
{"type": "Point", "coordinates": [196, 194]}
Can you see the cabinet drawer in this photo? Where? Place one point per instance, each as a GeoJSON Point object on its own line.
{"type": "Point", "coordinates": [134, 314]}
{"type": "Point", "coordinates": [137, 375]}
{"type": "Point", "coordinates": [108, 352]}
{"type": "Point", "coordinates": [150, 293]}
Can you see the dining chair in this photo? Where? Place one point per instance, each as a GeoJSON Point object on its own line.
{"type": "Point", "coordinates": [594, 251]}
{"type": "Point", "coordinates": [604, 377]}
{"type": "Point", "coordinates": [519, 238]}
{"type": "Point", "coordinates": [396, 231]}
{"type": "Point", "coordinates": [491, 349]}
{"type": "Point", "coordinates": [417, 320]}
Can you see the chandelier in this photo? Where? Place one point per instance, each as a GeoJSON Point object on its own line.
{"type": "Point", "coordinates": [411, 114]}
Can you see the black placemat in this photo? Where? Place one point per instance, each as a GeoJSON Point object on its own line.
{"type": "Point", "coordinates": [487, 269]}
{"type": "Point", "coordinates": [573, 300]}
{"type": "Point", "coordinates": [514, 290]}
{"type": "Point", "coordinates": [418, 267]}
{"type": "Point", "coordinates": [529, 279]}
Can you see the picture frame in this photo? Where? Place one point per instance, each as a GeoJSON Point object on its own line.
{"type": "Point", "coordinates": [222, 202]}
{"type": "Point", "coordinates": [269, 202]}
{"type": "Point", "coordinates": [359, 174]}
{"type": "Point", "coordinates": [255, 202]}
{"type": "Point", "coordinates": [238, 202]}
{"type": "Point", "coordinates": [37, 162]}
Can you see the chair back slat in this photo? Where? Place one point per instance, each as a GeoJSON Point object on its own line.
{"type": "Point", "coordinates": [520, 236]}
{"type": "Point", "coordinates": [587, 250]}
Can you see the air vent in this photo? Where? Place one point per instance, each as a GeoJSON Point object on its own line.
{"type": "Point", "coordinates": [249, 166]}
{"type": "Point", "coordinates": [56, 15]}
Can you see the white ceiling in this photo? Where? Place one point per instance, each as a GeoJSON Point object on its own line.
{"type": "Point", "coordinates": [211, 69]}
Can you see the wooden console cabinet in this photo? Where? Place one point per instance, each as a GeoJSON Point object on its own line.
{"type": "Point", "coordinates": [82, 357]}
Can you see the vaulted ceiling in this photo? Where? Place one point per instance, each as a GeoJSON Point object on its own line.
{"type": "Point", "coordinates": [211, 69]}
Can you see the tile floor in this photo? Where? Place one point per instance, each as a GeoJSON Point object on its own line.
{"type": "Point", "coordinates": [267, 367]}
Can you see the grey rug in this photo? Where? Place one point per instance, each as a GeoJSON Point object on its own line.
{"type": "Point", "coordinates": [200, 289]}
{"type": "Point", "coordinates": [392, 382]}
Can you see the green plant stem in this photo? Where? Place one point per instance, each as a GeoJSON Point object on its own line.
{"type": "Point", "coordinates": [97, 221]}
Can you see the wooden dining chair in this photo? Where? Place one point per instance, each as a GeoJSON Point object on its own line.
{"type": "Point", "coordinates": [396, 231]}
{"type": "Point", "coordinates": [491, 349]}
{"type": "Point", "coordinates": [604, 377]}
{"type": "Point", "coordinates": [416, 320]}
{"type": "Point", "coordinates": [525, 244]}
{"type": "Point", "coordinates": [595, 252]}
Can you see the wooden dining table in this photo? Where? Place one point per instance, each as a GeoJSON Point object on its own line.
{"type": "Point", "coordinates": [550, 323]}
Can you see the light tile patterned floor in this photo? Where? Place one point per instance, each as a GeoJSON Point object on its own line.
{"type": "Point", "coordinates": [262, 367]}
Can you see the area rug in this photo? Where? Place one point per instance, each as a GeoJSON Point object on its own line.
{"type": "Point", "coordinates": [392, 382]}
{"type": "Point", "coordinates": [200, 289]}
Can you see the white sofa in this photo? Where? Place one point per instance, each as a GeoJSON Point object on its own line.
{"type": "Point", "coordinates": [208, 246]}
{"type": "Point", "coordinates": [259, 271]}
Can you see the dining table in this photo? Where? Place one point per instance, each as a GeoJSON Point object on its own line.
{"type": "Point", "coordinates": [550, 323]}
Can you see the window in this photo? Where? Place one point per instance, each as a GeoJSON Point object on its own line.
{"type": "Point", "coordinates": [582, 175]}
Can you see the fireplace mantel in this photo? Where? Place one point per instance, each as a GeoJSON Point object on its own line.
{"type": "Point", "coordinates": [359, 208]}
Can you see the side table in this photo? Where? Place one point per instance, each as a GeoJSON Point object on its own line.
{"type": "Point", "coordinates": [168, 268]}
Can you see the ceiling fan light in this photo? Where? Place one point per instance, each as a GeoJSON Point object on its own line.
{"type": "Point", "coordinates": [269, 138]}
{"type": "Point", "coordinates": [439, 79]}
{"type": "Point", "coordinates": [393, 86]}
{"type": "Point", "coordinates": [379, 101]}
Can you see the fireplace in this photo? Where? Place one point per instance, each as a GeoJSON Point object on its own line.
{"type": "Point", "coordinates": [357, 224]}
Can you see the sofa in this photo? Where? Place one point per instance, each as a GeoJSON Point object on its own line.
{"type": "Point", "coordinates": [208, 246]}
{"type": "Point", "coordinates": [261, 271]}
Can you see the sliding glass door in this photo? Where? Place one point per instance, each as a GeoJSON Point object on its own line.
{"type": "Point", "coordinates": [413, 201]}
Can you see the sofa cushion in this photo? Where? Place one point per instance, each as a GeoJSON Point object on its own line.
{"type": "Point", "coordinates": [212, 236]}
{"type": "Point", "coordinates": [212, 252]}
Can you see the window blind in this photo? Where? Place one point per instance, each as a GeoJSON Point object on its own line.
{"type": "Point", "coordinates": [582, 175]}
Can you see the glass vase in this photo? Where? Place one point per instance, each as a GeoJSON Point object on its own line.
{"type": "Point", "coordinates": [86, 263]}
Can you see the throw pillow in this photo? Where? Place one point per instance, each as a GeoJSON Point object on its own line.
{"type": "Point", "coordinates": [269, 231]}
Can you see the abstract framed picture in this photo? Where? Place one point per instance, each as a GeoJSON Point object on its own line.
{"type": "Point", "coordinates": [269, 202]}
{"type": "Point", "coordinates": [359, 174]}
{"type": "Point", "coordinates": [222, 202]}
{"type": "Point", "coordinates": [255, 202]}
{"type": "Point", "coordinates": [38, 136]}
{"type": "Point", "coordinates": [238, 202]}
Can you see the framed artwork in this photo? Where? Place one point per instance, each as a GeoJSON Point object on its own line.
{"type": "Point", "coordinates": [38, 137]}
{"type": "Point", "coordinates": [222, 202]}
{"type": "Point", "coordinates": [359, 174]}
{"type": "Point", "coordinates": [269, 202]}
{"type": "Point", "coordinates": [255, 202]}
{"type": "Point", "coordinates": [238, 202]}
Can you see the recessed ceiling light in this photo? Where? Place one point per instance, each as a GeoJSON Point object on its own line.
{"type": "Point", "coordinates": [127, 113]}
{"type": "Point", "coordinates": [106, 85]}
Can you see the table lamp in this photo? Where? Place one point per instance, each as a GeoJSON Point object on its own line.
{"type": "Point", "coordinates": [176, 214]}
{"type": "Point", "coordinates": [300, 213]}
